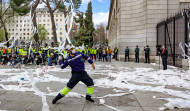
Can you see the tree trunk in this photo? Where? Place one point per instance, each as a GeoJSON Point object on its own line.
{"type": "Point", "coordinates": [33, 13]}
{"type": "Point", "coordinates": [6, 33]}
{"type": "Point", "coordinates": [53, 26]}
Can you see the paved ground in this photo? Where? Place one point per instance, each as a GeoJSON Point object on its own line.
{"type": "Point", "coordinates": [28, 101]}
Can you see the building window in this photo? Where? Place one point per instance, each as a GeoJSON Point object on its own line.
{"type": "Point", "coordinates": [28, 38]}
{"type": "Point", "coordinates": [56, 15]}
{"type": "Point", "coordinates": [44, 20]}
{"type": "Point", "coordinates": [24, 29]}
{"type": "Point", "coordinates": [20, 37]}
{"type": "Point", "coordinates": [52, 38]}
{"type": "Point", "coordinates": [48, 15]}
{"type": "Point", "coordinates": [20, 20]}
{"type": "Point", "coordinates": [60, 28]}
{"type": "Point", "coordinates": [60, 33]}
{"type": "Point", "coordinates": [60, 15]}
{"type": "Point", "coordinates": [28, 29]}
{"type": "Point", "coordinates": [44, 15]}
{"type": "Point", "coordinates": [16, 25]}
{"type": "Point", "coordinates": [28, 25]}
{"type": "Point", "coordinates": [56, 19]}
{"type": "Point", "coordinates": [48, 38]}
{"type": "Point", "coordinates": [24, 38]}
{"type": "Point", "coordinates": [60, 19]}
{"type": "Point", "coordinates": [20, 29]}
{"type": "Point", "coordinates": [48, 20]}
{"type": "Point", "coordinates": [12, 29]}
{"type": "Point", "coordinates": [56, 24]}
{"type": "Point", "coordinates": [28, 34]}
{"type": "Point", "coordinates": [23, 33]}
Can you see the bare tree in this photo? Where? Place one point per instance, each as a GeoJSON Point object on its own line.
{"type": "Point", "coordinates": [100, 33]}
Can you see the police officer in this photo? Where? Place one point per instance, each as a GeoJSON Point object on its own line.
{"type": "Point", "coordinates": [100, 51]}
{"type": "Point", "coordinates": [91, 53]}
{"type": "Point", "coordinates": [116, 52]}
{"type": "Point", "coordinates": [56, 56]}
{"type": "Point", "coordinates": [50, 54]}
{"type": "Point", "coordinates": [147, 52]}
{"type": "Point", "coordinates": [78, 74]}
{"type": "Point", "coordinates": [16, 50]}
{"type": "Point", "coordinates": [164, 55]}
{"type": "Point", "coordinates": [127, 53]}
{"type": "Point", "coordinates": [95, 53]}
{"type": "Point", "coordinates": [137, 54]}
{"type": "Point", "coordinates": [1, 53]}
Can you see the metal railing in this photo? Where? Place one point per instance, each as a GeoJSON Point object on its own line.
{"type": "Point", "coordinates": [171, 32]}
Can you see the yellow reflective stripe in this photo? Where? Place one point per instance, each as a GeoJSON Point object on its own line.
{"type": "Point", "coordinates": [65, 90]}
{"type": "Point", "coordinates": [90, 90]}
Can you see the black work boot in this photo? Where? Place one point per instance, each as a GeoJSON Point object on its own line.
{"type": "Point", "coordinates": [89, 98]}
{"type": "Point", "coordinates": [59, 96]}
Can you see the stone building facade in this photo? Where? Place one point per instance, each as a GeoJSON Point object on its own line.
{"type": "Point", "coordinates": [43, 18]}
{"type": "Point", "coordinates": [133, 22]}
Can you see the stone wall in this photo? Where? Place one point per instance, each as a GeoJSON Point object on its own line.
{"type": "Point", "coordinates": [133, 22]}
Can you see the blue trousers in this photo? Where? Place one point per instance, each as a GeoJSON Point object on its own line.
{"type": "Point", "coordinates": [95, 56]}
{"type": "Point", "coordinates": [164, 62]}
{"type": "Point", "coordinates": [109, 57]}
{"type": "Point", "coordinates": [100, 56]}
{"type": "Point", "coordinates": [115, 56]}
{"type": "Point", "coordinates": [49, 60]}
{"type": "Point", "coordinates": [91, 56]}
{"type": "Point", "coordinates": [80, 76]}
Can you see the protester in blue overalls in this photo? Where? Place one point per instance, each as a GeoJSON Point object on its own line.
{"type": "Point", "coordinates": [74, 60]}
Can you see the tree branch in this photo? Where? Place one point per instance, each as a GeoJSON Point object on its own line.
{"type": "Point", "coordinates": [5, 11]}
{"type": "Point", "coordinates": [57, 6]}
{"type": "Point", "coordinates": [44, 2]}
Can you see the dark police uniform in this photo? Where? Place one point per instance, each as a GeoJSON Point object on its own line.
{"type": "Point", "coordinates": [127, 54]}
{"type": "Point", "coordinates": [137, 55]}
{"type": "Point", "coordinates": [147, 55]}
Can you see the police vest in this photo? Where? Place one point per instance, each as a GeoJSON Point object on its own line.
{"type": "Point", "coordinates": [24, 52]}
{"type": "Point", "coordinates": [9, 50]}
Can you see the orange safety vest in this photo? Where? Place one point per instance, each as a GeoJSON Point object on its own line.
{"type": "Point", "coordinates": [4, 51]}
{"type": "Point", "coordinates": [109, 51]}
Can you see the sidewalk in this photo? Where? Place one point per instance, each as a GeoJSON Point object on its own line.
{"type": "Point", "coordinates": [21, 96]}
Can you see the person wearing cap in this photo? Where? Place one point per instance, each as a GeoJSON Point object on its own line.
{"type": "Point", "coordinates": [50, 54]}
{"type": "Point", "coordinates": [1, 53]}
{"type": "Point", "coordinates": [16, 50]}
{"type": "Point", "coordinates": [127, 54]}
{"type": "Point", "coordinates": [74, 60]}
{"type": "Point", "coordinates": [137, 54]}
{"type": "Point", "coordinates": [147, 56]}
{"type": "Point", "coordinates": [95, 53]}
